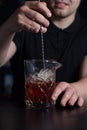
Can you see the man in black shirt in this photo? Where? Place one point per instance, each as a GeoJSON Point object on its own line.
{"type": "Point", "coordinates": [65, 41]}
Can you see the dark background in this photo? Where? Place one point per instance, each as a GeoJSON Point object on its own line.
{"type": "Point", "coordinates": [83, 9]}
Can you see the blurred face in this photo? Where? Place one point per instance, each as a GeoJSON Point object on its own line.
{"type": "Point", "coordinates": [63, 8]}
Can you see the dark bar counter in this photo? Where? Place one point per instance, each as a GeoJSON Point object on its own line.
{"type": "Point", "coordinates": [16, 117]}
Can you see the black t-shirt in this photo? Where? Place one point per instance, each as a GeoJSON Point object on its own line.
{"type": "Point", "coordinates": [68, 46]}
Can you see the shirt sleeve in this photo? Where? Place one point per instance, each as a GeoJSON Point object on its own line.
{"type": "Point", "coordinates": [19, 39]}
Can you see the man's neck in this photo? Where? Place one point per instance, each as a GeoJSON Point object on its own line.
{"type": "Point", "coordinates": [63, 22]}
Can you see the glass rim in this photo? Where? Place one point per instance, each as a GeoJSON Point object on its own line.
{"type": "Point", "coordinates": [46, 61]}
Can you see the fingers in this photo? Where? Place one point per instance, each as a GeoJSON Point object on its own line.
{"type": "Point", "coordinates": [37, 17]}
{"type": "Point", "coordinates": [73, 99]}
{"type": "Point", "coordinates": [69, 96]}
{"type": "Point", "coordinates": [28, 24]}
{"type": "Point", "coordinates": [40, 7]}
{"type": "Point", "coordinates": [58, 90]}
{"type": "Point", "coordinates": [76, 100]}
{"type": "Point", "coordinates": [80, 101]}
{"type": "Point", "coordinates": [31, 16]}
{"type": "Point", "coordinates": [36, 14]}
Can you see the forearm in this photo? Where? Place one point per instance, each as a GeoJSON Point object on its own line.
{"type": "Point", "coordinates": [6, 37]}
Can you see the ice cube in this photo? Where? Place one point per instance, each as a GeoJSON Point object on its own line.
{"type": "Point", "coordinates": [46, 74]}
{"type": "Point", "coordinates": [35, 77]}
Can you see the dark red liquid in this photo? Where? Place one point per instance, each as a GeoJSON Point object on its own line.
{"type": "Point", "coordinates": [39, 91]}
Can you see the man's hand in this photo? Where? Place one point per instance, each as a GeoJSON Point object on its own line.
{"type": "Point", "coordinates": [70, 95]}
{"type": "Point", "coordinates": [30, 16]}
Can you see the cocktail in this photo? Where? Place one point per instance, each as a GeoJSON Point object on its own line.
{"type": "Point", "coordinates": [39, 82]}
